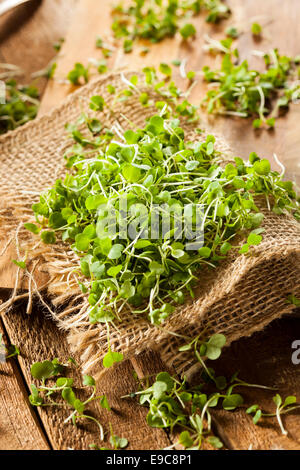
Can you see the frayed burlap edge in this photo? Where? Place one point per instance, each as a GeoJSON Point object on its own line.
{"type": "Point", "coordinates": [238, 298]}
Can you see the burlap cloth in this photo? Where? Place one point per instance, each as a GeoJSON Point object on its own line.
{"type": "Point", "coordinates": [239, 297]}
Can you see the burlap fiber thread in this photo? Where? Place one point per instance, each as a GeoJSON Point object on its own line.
{"type": "Point", "coordinates": [240, 297]}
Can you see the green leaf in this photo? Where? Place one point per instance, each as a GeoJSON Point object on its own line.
{"type": "Point", "coordinates": [215, 442]}
{"type": "Point", "coordinates": [114, 270]}
{"type": "Point", "coordinates": [88, 381]}
{"type": "Point", "coordinates": [97, 103]}
{"type": "Point", "coordinates": [232, 402]}
{"type": "Point", "coordinates": [20, 264]}
{"type": "Point", "coordinates": [64, 382]}
{"type": "Point", "coordinates": [118, 442]}
{"type": "Point", "coordinates": [252, 409]}
{"type": "Point", "coordinates": [48, 237]}
{"type": "Point", "coordinates": [289, 400]}
{"type": "Point", "coordinates": [186, 347]}
{"type": "Point", "coordinates": [32, 228]}
{"type": "Point", "coordinates": [131, 173]}
{"type": "Point", "coordinates": [204, 252]}
{"type": "Point", "coordinates": [292, 299]}
{"type": "Point", "coordinates": [98, 269]}
{"type": "Point", "coordinates": [116, 251]}
{"type": "Point", "coordinates": [156, 268]}
{"type": "Point", "coordinates": [262, 167]}
{"type": "Point", "coordinates": [69, 396]}
{"type": "Point", "coordinates": [42, 370]}
{"type": "Point", "coordinates": [185, 439]}
{"type": "Point", "coordinates": [82, 242]}
{"type": "Point", "coordinates": [213, 352]}
{"type": "Point", "coordinates": [165, 69]}
{"type": "Point", "coordinates": [217, 340]}
{"type": "Point", "coordinates": [104, 403]}
{"type": "Point", "coordinates": [111, 358]}
{"type": "Point", "coordinates": [225, 247]}
{"type": "Point", "coordinates": [256, 29]}
{"type": "Point", "coordinates": [277, 400]}
{"type": "Point", "coordinates": [12, 351]}
{"type": "Point", "coordinates": [257, 416]}
{"type": "Point", "coordinates": [254, 239]}
{"type": "Point", "coordinates": [244, 249]}
{"type": "Point", "coordinates": [188, 30]}
{"type": "Point", "coordinates": [127, 290]}
{"type": "Point", "coordinates": [167, 379]}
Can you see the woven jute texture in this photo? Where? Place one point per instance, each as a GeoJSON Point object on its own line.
{"type": "Point", "coordinates": [237, 298]}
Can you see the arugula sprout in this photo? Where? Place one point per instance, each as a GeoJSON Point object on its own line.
{"type": "Point", "coordinates": [169, 400]}
{"type": "Point", "coordinates": [239, 91]}
{"type": "Point", "coordinates": [42, 395]}
{"type": "Point", "coordinates": [282, 407]}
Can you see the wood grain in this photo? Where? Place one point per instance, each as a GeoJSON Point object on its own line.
{"type": "Point", "coordinates": [259, 358]}
{"type": "Point", "coordinates": [19, 427]}
{"type": "Point", "coordinates": [265, 359]}
{"type": "Point", "coordinates": [39, 340]}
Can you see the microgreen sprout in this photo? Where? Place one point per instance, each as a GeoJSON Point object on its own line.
{"type": "Point", "coordinates": [282, 407]}
{"type": "Point", "coordinates": [42, 394]}
{"type": "Point", "coordinates": [238, 91]}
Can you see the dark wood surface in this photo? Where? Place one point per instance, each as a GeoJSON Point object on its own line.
{"type": "Point", "coordinates": [26, 38]}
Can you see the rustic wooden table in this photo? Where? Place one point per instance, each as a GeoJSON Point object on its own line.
{"type": "Point", "coordinates": [26, 38]}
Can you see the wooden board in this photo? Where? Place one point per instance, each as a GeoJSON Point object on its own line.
{"type": "Point", "coordinates": [39, 338]}
{"type": "Point", "coordinates": [19, 427]}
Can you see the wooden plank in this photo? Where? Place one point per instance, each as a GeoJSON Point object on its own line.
{"type": "Point", "coordinates": [39, 340]}
{"type": "Point", "coordinates": [264, 359]}
{"type": "Point", "coordinates": [280, 21]}
{"type": "Point", "coordinates": [19, 427]}
{"type": "Point", "coordinates": [127, 417]}
{"type": "Point", "coordinates": [236, 134]}
{"type": "Point", "coordinates": [27, 34]}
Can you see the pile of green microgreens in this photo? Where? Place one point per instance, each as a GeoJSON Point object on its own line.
{"type": "Point", "coordinates": [175, 405]}
{"type": "Point", "coordinates": [150, 166]}
{"type": "Point", "coordinates": [158, 19]}
{"type": "Point", "coordinates": [239, 91]}
{"type": "Point", "coordinates": [21, 103]}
